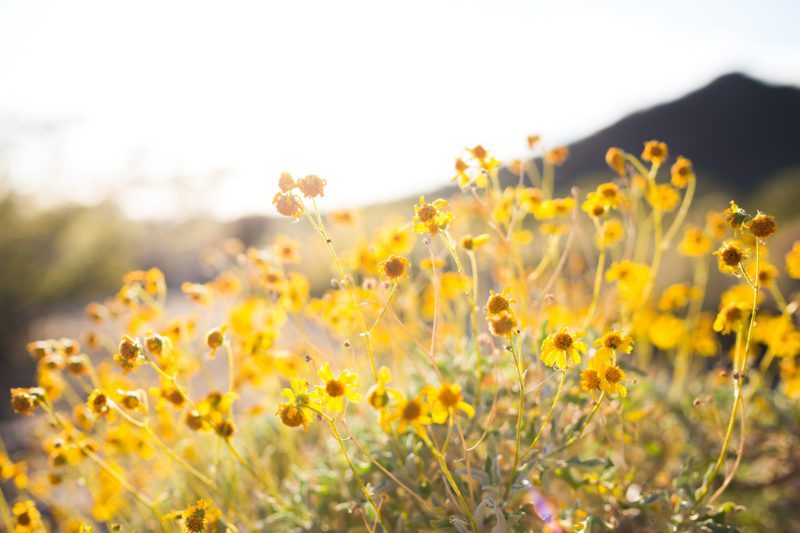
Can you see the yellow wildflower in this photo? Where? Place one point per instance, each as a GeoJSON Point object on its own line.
{"type": "Point", "coordinates": [682, 172]}
{"type": "Point", "coordinates": [613, 342]}
{"type": "Point", "coordinates": [414, 412]}
{"type": "Point", "coordinates": [468, 242]}
{"type": "Point", "coordinates": [288, 205]}
{"type": "Point", "coordinates": [762, 226]}
{"type": "Point", "coordinates": [24, 401]}
{"type": "Point", "coordinates": [131, 354]}
{"type": "Point", "coordinates": [301, 404]}
{"type": "Point", "coordinates": [337, 388]}
{"type": "Point", "coordinates": [655, 152]}
{"type": "Point", "coordinates": [793, 261]}
{"type": "Point", "coordinates": [557, 156]}
{"type": "Point", "coordinates": [431, 217]}
{"type": "Point", "coordinates": [736, 218]}
{"type": "Point", "coordinates": [630, 277]}
{"type": "Point", "coordinates": [444, 402]}
{"type": "Point", "coordinates": [695, 243]}
{"type": "Point", "coordinates": [615, 159]}
{"type": "Point", "coordinates": [394, 268]}
{"type": "Point", "coordinates": [666, 331]}
{"type": "Point", "coordinates": [730, 257]}
{"type": "Point", "coordinates": [676, 296]}
{"type": "Point", "coordinates": [602, 374]}
{"type": "Point", "coordinates": [312, 186]}
{"type": "Point", "coordinates": [27, 518]}
{"type": "Point", "coordinates": [562, 349]}
{"type": "Point", "coordinates": [729, 318]}
{"type": "Point", "coordinates": [611, 232]}
{"type": "Point", "coordinates": [663, 197]}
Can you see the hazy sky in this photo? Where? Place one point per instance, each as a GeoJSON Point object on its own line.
{"type": "Point", "coordinates": [376, 97]}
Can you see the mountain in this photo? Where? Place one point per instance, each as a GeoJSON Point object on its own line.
{"type": "Point", "coordinates": [738, 131]}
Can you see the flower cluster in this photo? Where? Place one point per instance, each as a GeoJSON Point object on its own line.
{"type": "Point", "coordinates": [536, 360]}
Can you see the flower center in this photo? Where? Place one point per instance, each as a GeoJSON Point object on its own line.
{"type": "Point", "coordinates": [731, 256]}
{"type": "Point", "coordinates": [591, 379]}
{"type": "Point", "coordinates": [613, 375]}
{"type": "Point", "coordinates": [612, 340]}
{"type": "Point", "coordinates": [448, 397]}
{"type": "Point", "coordinates": [334, 388]}
{"type": "Point", "coordinates": [733, 313]}
{"type": "Point", "coordinates": [562, 341]}
{"type": "Point", "coordinates": [426, 213]}
{"type": "Point", "coordinates": [291, 416]}
{"type": "Point", "coordinates": [394, 268]}
{"type": "Point", "coordinates": [497, 304]}
{"type": "Point", "coordinates": [378, 399]}
{"type": "Point", "coordinates": [412, 410]}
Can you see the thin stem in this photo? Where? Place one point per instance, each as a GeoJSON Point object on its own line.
{"type": "Point", "coordinates": [430, 353]}
{"type": "Point", "coordinates": [598, 280]}
{"type": "Point", "coordinates": [473, 317]}
{"type": "Point", "coordinates": [684, 356]}
{"type": "Point", "coordinates": [549, 414]}
{"type": "Point", "coordinates": [576, 436]}
{"type": "Point", "coordinates": [319, 226]}
{"type": "Point", "coordinates": [740, 365]}
{"type": "Point", "coordinates": [657, 234]}
{"type": "Point", "coordinates": [249, 467]}
{"type": "Point", "coordinates": [385, 306]}
{"type": "Point", "coordinates": [231, 375]}
{"type": "Point", "coordinates": [383, 469]}
{"type": "Point", "coordinates": [684, 209]}
{"type": "Point", "coordinates": [451, 480]}
{"type": "Point", "coordinates": [119, 478]}
{"type": "Point", "coordinates": [520, 413]}
{"type": "Point", "coordinates": [338, 436]}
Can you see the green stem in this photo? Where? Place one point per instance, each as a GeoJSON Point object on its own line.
{"type": "Point", "coordinates": [740, 365]}
{"type": "Point", "coordinates": [520, 413]}
{"type": "Point", "coordinates": [338, 436]}
{"type": "Point", "coordinates": [549, 414]}
{"type": "Point", "coordinates": [684, 209]}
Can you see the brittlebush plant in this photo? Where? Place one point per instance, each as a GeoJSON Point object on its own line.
{"type": "Point", "coordinates": [507, 360]}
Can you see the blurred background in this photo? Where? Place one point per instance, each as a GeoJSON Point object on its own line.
{"type": "Point", "coordinates": [139, 134]}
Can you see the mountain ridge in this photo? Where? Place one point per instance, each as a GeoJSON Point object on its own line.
{"type": "Point", "coordinates": [736, 128]}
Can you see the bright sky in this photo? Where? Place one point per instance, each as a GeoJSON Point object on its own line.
{"type": "Point", "coordinates": [177, 106]}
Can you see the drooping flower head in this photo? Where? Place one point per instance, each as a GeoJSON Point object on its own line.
{"type": "Point", "coordinates": [288, 205]}
{"type": "Point", "coordinates": [24, 401]}
{"type": "Point", "coordinates": [301, 404]}
{"type": "Point", "coordinates": [736, 218]}
{"type": "Point", "coordinates": [615, 159]}
{"type": "Point", "coordinates": [730, 257]}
